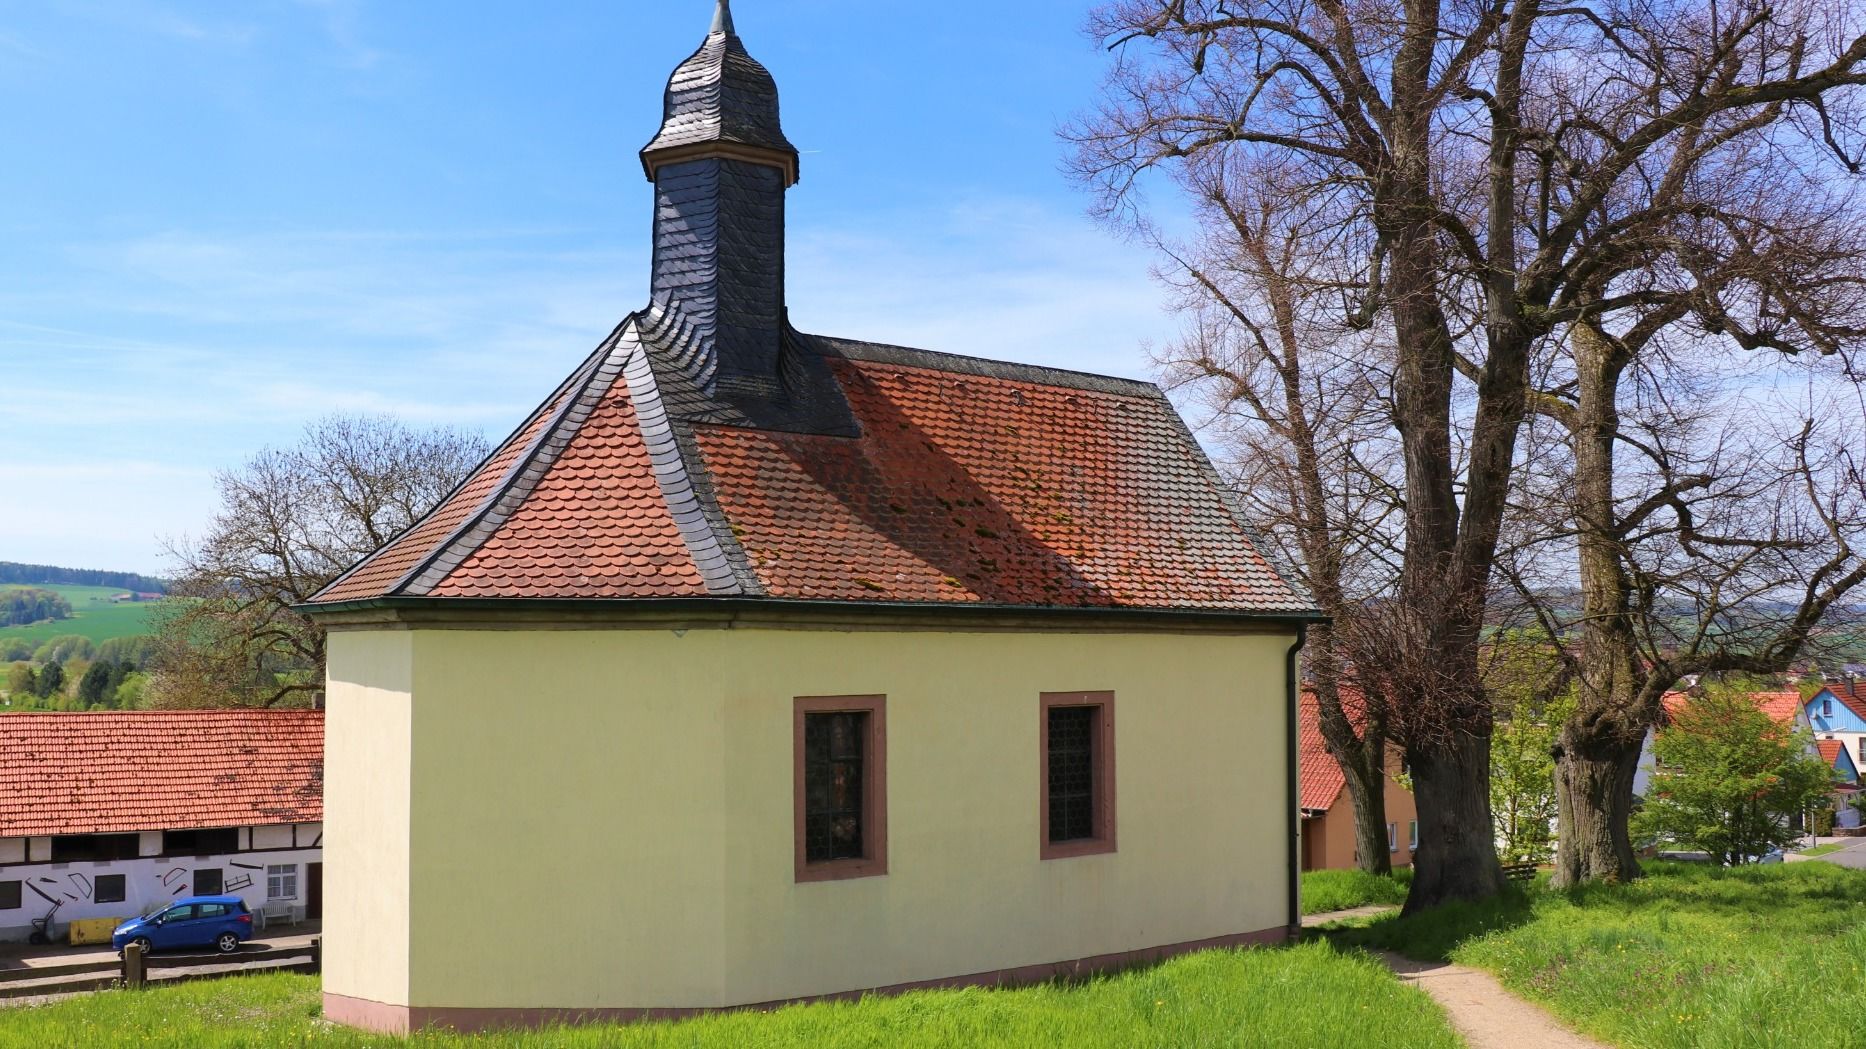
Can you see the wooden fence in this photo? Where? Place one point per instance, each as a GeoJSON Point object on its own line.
{"type": "Point", "coordinates": [134, 968]}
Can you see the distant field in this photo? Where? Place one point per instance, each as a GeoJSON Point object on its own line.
{"type": "Point", "coordinates": [94, 616]}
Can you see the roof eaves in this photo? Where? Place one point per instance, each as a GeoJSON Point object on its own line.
{"type": "Point", "coordinates": [750, 603]}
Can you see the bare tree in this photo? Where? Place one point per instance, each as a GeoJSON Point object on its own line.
{"type": "Point", "coordinates": [1709, 533]}
{"type": "Point", "coordinates": [1296, 406]}
{"type": "Point", "coordinates": [290, 521]}
{"type": "Point", "coordinates": [1486, 161]}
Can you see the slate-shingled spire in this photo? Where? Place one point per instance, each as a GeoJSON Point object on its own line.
{"type": "Point", "coordinates": [721, 166]}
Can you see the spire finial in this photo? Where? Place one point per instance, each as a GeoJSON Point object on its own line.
{"type": "Point", "coordinates": [722, 18]}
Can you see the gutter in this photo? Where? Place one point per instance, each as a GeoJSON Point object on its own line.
{"type": "Point", "coordinates": [739, 605]}
{"type": "Point", "coordinates": [1293, 683]}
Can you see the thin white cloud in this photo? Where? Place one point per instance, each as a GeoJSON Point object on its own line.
{"type": "Point", "coordinates": [196, 349]}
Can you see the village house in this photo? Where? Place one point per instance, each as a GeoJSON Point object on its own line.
{"type": "Point", "coordinates": [1838, 712]}
{"type": "Point", "coordinates": [1847, 790]}
{"type": "Point", "coordinates": [781, 666]}
{"type": "Point", "coordinates": [1328, 838]}
{"type": "Point", "coordinates": [107, 814]}
{"type": "Point", "coordinates": [1782, 707]}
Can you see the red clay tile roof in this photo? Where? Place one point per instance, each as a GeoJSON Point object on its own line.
{"type": "Point", "coordinates": [1830, 749]}
{"type": "Point", "coordinates": [1782, 707]}
{"type": "Point", "coordinates": [971, 482]}
{"type": "Point", "coordinates": [1319, 773]}
{"type": "Point", "coordinates": [1850, 696]}
{"type": "Point", "coordinates": [159, 770]}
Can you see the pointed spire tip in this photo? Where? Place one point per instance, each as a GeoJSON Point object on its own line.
{"type": "Point", "coordinates": [722, 18]}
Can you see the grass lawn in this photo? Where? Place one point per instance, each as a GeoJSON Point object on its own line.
{"type": "Point", "coordinates": [1324, 891]}
{"type": "Point", "coordinates": [1691, 955]}
{"type": "Point", "coordinates": [1821, 850]}
{"type": "Point", "coordinates": [1306, 997]}
{"type": "Point", "coordinates": [93, 616]}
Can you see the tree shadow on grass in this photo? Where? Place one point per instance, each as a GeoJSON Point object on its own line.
{"type": "Point", "coordinates": [1435, 934]}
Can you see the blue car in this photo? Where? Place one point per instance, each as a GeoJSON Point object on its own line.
{"type": "Point", "coordinates": [220, 922]}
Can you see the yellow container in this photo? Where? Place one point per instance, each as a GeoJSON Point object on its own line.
{"type": "Point", "coordinates": [93, 930]}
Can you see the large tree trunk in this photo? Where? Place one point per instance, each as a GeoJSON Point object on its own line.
{"type": "Point", "coordinates": [1457, 857]}
{"type": "Point", "coordinates": [1370, 817]}
{"type": "Point", "coordinates": [1599, 746]}
{"type": "Point", "coordinates": [1594, 770]}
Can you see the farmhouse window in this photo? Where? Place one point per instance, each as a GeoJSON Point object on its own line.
{"type": "Point", "coordinates": [841, 787]}
{"type": "Point", "coordinates": [67, 848]}
{"type": "Point", "coordinates": [1862, 748]}
{"type": "Point", "coordinates": [9, 895]}
{"type": "Point", "coordinates": [1412, 836]}
{"type": "Point", "coordinates": [109, 888]}
{"type": "Point", "coordinates": [282, 881]}
{"type": "Point", "coordinates": [1827, 708]}
{"type": "Point", "coordinates": [1077, 810]}
{"type": "Point", "coordinates": [1392, 837]}
{"type": "Point", "coordinates": [217, 841]}
{"type": "Point", "coordinates": [208, 881]}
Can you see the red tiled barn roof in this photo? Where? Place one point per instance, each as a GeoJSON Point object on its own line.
{"type": "Point", "coordinates": [159, 770]}
{"type": "Point", "coordinates": [1830, 749]}
{"type": "Point", "coordinates": [969, 482]}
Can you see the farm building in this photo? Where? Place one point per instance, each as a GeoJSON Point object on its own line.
{"type": "Point", "coordinates": [781, 666]}
{"type": "Point", "coordinates": [106, 814]}
{"type": "Point", "coordinates": [1328, 806]}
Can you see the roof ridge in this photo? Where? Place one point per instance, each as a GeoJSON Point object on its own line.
{"type": "Point", "coordinates": [966, 364]}
{"type": "Point", "coordinates": [520, 477]}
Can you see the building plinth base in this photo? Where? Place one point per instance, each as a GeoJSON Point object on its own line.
{"type": "Point", "coordinates": [407, 1019]}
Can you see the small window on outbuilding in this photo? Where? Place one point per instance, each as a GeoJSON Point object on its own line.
{"type": "Point", "coordinates": [9, 896]}
{"type": "Point", "coordinates": [208, 881]}
{"type": "Point", "coordinates": [282, 881]}
{"type": "Point", "coordinates": [1392, 837]}
{"type": "Point", "coordinates": [841, 787]}
{"type": "Point", "coordinates": [1412, 836]}
{"type": "Point", "coordinates": [1077, 755]}
{"type": "Point", "coordinates": [109, 888]}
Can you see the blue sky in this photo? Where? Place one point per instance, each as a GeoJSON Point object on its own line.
{"type": "Point", "coordinates": [219, 221]}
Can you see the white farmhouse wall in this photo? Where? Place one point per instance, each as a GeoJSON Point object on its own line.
{"type": "Point", "coordinates": [272, 838]}
{"type": "Point", "coordinates": [149, 881]}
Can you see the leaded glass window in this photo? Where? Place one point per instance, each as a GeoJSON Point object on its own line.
{"type": "Point", "coordinates": [835, 761]}
{"type": "Point", "coordinates": [1072, 773]}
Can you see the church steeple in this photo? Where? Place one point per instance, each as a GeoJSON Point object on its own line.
{"type": "Point", "coordinates": [721, 166]}
{"type": "Point", "coordinates": [721, 102]}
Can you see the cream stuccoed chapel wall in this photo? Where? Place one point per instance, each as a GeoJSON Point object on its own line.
{"type": "Point", "coordinates": [603, 818]}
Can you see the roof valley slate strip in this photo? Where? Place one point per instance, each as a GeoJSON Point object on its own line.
{"type": "Point", "coordinates": [715, 552]}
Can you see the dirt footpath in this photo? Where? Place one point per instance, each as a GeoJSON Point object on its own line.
{"type": "Point", "coordinates": [1488, 1016]}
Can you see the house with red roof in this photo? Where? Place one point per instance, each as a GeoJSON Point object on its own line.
{"type": "Point", "coordinates": [784, 666]}
{"type": "Point", "coordinates": [1785, 707]}
{"type": "Point", "coordinates": [107, 814]}
{"type": "Point", "coordinates": [1837, 711]}
{"type": "Point", "coordinates": [1847, 790]}
{"type": "Point", "coordinates": [1328, 815]}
